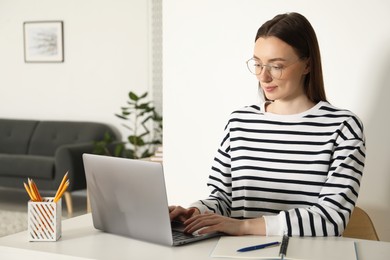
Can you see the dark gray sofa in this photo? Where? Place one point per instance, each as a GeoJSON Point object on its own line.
{"type": "Point", "coordinates": [45, 150]}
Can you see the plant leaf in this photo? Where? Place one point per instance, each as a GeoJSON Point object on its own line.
{"type": "Point", "coordinates": [119, 150]}
{"type": "Point", "coordinates": [133, 96]}
{"type": "Point", "coordinates": [136, 140]}
{"type": "Point", "coordinates": [146, 154]}
{"type": "Point", "coordinates": [128, 127]}
{"type": "Point", "coordinates": [120, 116]}
{"type": "Point", "coordinates": [143, 106]}
{"type": "Point", "coordinates": [144, 95]}
{"type": "Point", "coordinates": [130, 153]}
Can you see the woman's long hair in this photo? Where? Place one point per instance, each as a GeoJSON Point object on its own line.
{"type": "Point", "coordinates": [295, 30]}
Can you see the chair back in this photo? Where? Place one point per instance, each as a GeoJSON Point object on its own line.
{"type": "Point", "coordinates": [360, 226]}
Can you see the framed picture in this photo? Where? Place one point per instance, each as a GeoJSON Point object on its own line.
{"type": "Point", "coordinates": [43, 41]}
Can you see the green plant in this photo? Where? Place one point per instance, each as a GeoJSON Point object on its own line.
{"type": "Point", "coordinates": [145, 126]}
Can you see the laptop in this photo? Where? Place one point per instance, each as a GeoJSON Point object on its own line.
{"type": "Point", "coordinates": [128, 198]}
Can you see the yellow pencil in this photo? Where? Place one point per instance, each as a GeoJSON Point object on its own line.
{"type": "Point", "coordinates": [36, 191]}
{"type": "Point", "coordinates": [28, 191]}
{"type": "Point", "coordinates": [62, 184]}
{"type": "Point", "coordinates": [32, 190]}
{"type": "Point", "coordinates": [66, 185]}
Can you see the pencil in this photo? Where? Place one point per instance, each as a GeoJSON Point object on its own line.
{"type": "Point", "coordinates": [62, 184]}
{"type": "Point", "coordinates": [59, 195]}
{"type": "Point", "coordinates": [35, 197]}
{"type": "Point", "coordinates": [36, 191]}
{"type": "Point", "coordinates": [28, 191]}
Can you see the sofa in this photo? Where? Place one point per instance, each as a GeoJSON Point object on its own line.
{"type": "Point", "coordinates": [45, 151]}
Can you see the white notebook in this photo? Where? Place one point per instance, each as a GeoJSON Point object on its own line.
{"type": "Point", "coordinates": [307, 248]}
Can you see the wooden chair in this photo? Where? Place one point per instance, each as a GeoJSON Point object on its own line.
{"type": "Point", "coordinates": [360, 226]}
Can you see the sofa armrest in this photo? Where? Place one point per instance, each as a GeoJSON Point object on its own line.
{"type": "Point", "coordinates": [69, 158]}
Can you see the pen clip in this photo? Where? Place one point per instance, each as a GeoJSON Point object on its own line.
{"type": "Point", "coordinates": [283, 247]}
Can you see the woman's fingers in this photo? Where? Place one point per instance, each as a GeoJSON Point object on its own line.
{"type": "Point", "coordinates": [181, 214]}
{"type": "Point", "coordinates": [175, 212]}
{"type": "Point", "coordinates": [205, 221]}
{"type": "Point", "coordinates": [208, 223]}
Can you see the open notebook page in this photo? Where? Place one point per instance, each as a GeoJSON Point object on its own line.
{"type": "Point", "coordinates": [308, 248]}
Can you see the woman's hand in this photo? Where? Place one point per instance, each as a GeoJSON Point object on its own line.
{"type": "Point", "coordinates": [181, 214]}
{"type": "Point", "coordinates": [211, 222]}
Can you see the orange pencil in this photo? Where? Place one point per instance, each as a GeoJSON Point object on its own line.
{"type": "Point", "coordinates": [36, 191]}
{"type": "Point", "coordinates": [59, 195]}
{"type": "Point", "coordinates": [28, 191]}
{"type": "Point", "coordinates": [32, 190]}
{"type": "Point", "coordinates": [62, 184]}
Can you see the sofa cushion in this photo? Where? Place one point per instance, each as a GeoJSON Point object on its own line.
{"type": "Point", "coordinates": [49, 135]}
{"type": "Point", "coordinates": [15, 135]}
{"type": "Point", "coordinates": [27, 166]}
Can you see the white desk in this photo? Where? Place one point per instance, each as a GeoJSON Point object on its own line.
{"type": "Point", "coordinates": [81, 240]}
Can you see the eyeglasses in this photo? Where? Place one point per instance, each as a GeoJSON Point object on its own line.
{"type": "Point", "coordinates": [275, 70]}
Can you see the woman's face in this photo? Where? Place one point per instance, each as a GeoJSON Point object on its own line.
{"type": "Point", "coordinates": [283, 79]}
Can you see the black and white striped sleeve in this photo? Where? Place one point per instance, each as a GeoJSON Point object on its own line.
{"type": "Point", "coordinates": [330, 215]}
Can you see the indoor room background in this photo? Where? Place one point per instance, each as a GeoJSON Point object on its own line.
{"type": "Point", "coordinates": [112, 47]}
{"type": "Point", "coordinates": [108, 51]}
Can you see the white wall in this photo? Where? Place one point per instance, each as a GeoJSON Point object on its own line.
{"type": "Point", "coordinates": [106, 55]}
{"type": "Point", "coordinates": [205, 46]}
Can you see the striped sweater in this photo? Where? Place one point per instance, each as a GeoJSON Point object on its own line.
{"type": "Point", "coordinates": [301, 172]}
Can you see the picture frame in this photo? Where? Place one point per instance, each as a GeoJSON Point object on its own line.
{"type": "Point", "coordinates": [43, 41]}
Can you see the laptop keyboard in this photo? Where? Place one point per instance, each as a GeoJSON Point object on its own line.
{"type": "Point", "coordinates": [177, 235]}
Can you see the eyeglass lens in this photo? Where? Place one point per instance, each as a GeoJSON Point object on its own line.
{"type": "Point", "coordinates": [255, 67]}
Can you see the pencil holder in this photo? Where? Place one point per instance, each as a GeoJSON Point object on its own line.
{"type": "Point", "coordinates": [44, 220]}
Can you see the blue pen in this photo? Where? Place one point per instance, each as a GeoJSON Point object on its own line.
{"type": "Point", "coordinates": [251, 248]}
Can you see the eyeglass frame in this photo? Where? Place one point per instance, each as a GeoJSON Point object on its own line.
{"type": "Point", "coordinates": [269, 67]}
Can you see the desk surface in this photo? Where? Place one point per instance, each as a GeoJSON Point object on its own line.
{"type": "Point", "coordinates": [81, 240]}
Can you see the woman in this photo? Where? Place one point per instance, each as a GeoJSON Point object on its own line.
{"type": "Point", "coordinates": [292, 165]}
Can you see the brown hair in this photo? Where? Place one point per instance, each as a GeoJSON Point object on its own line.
{"type": "Point", "coordinates": [295, 30]}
